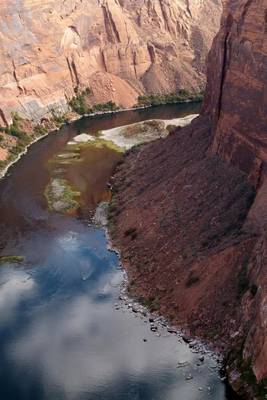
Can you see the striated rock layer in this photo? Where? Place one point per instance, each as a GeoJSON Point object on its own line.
{"type": "Point", "coordinates": [189, 213]}
{"type": "Point", "coordinates": [236, 95]}
{"type": "Point", "coordinates": [118, 48]}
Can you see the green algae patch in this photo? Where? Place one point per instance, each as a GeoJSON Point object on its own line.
{"type": "Point", "coordinates": [68, 158]}
{"type": "Point", "coordinates": [61, 197]}
{"type": "Point", "coordinates": [99, 143]}
{"type": "Point", "coordinates": [11, 260]}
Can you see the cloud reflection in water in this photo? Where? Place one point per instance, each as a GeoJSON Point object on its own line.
{"type": "Point", "coordinates": [15, 285]}
{"type": "Point", "coordinates": [76, 346]}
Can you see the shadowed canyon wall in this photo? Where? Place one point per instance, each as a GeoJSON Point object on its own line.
{"type": "Point", "coordinates": [195, 207]}
{"type": "Point", "coordinates": [236, 96]}
{"type": "Point", "coordinates": [118, 48]}
{"type": "Point", "coordinates": [236, 101]}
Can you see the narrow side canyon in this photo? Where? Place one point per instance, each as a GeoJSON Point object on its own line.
{"type": "Point", "coordinates": [189, 212]}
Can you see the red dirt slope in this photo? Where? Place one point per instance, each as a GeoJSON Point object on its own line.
{"type": "Point", "coordinates": [189, 212]}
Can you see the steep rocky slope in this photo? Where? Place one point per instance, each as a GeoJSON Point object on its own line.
{"type": "Point", "coordinates": [189, 212]}
{"type": "Point", "coordinates": [236, 95]}
{"type": "Point", "coordinates": [118, 48]}
{"type": "Point", "coordinates": [237, 103]}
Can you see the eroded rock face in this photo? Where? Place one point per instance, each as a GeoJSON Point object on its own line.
{"type": "Point", "coordinates": [236, 101]}
{"type": "Point", "coordinates": [236, 97]}
{"type": "Point", "coordinates": [119, 48]}
{"type": "Point", "coordinates": [197, 202]}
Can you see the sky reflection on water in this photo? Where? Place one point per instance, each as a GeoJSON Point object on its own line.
{"type": "Point", "coordinates": [66, 339]}
{"type": "Point", "coordinates": [61, 337]}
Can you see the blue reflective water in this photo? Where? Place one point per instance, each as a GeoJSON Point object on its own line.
{"type": "Point", "coordinates": [62, 336]}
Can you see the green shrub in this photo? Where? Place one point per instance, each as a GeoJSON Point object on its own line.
{"type": "Point", "coordinates": [78, 102]}
{"type": "Point", "coordinates": [102, 107]}
{"type": "Point", "coordinates": [58, 118]}
{"type": "Point", "coordinates": [15, 131]}
{"type": "Point", "coordinates": [2, 164]}
{"type": "Point", "coordinates": [172, 98]}
{"type": "Point", "coordinates": [79, 105]}
{"type": "Point", "coordinates": [40, 130]}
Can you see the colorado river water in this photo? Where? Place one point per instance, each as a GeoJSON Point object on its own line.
{"type": "Point", "coordinates": [64, 335]}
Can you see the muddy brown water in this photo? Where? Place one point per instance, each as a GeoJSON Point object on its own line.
{"type": "Point", "coordinates": [64, 335]}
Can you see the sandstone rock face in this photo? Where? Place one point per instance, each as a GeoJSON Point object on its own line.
{"type": "Point", "coordinates": [237, 87]}
{"type": "Point", "coordinates": [119, 48]}
{"type": "Point", "coordinates": [236, 101]}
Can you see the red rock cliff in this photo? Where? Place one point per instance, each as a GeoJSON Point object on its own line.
{"type": "Point", "coordinates": [236, 101]}
{"type": "Point", "coordinates": [119, 48]}
{"type": "Point", "coordinates": [196, 203]}
{"type": "Point", "coordinates": [236, 96]}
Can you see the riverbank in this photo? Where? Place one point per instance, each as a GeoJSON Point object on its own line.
{"type": "Point", "coordinates": [177, 218]}
{"type": "Point", "coordinates": [54, 125]}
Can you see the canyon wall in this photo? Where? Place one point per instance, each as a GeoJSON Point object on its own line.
{"type": "Point", "coordinates": [118, 48]}
{"type": "Point", "coordinates": [236, 97]}
{"type": "Point", "coordinates": [236, 103]}
{"type": "Point", "coordinates": [196, 204]}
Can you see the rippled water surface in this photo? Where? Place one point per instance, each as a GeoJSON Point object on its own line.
{"type": "Point", "coordinates": [63, 332]}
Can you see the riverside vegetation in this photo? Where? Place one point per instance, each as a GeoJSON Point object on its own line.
{"type": "Point", "coordinates": [81, 102]}
{"type": "Point", "coordinates": [11, 259]}
{"type": "Point", "coordinates": [23, 132]}
{"type": "Point", "coordinates": [156, 99]}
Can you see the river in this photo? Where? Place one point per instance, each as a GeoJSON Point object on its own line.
{"type": "Point", "coordinates": [64, 334]}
